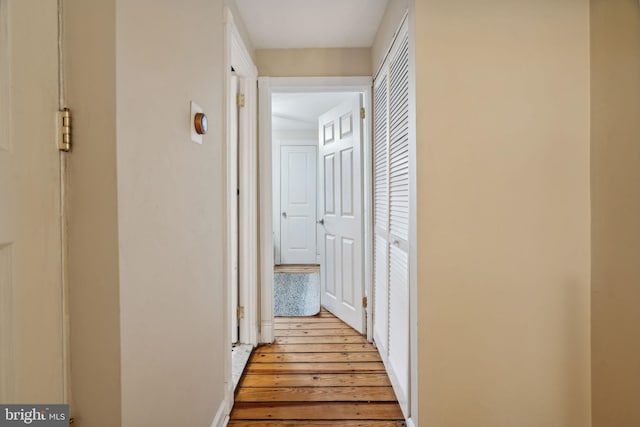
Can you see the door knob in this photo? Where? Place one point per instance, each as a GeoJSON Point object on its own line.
{"type": "Point", "coordinates": [321, 221]}
{"type": "Point", "coordinates": [284, 215]}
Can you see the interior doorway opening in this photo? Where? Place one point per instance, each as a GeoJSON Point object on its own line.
{"type": "Point", "coordinates": [324, 115]}
{"type": "Point", "coordinates": [298, 198]}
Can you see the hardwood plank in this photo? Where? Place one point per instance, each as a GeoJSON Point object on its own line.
{"type": "Point", "coordinates": [315, 394]}
{"type": "Point", "coordinates": [297, 268]}
{"type": "Point", "coordinates": [316, 332]}
{"type": "Point", "coordinates": [319, 411]}
{"type": "Point", "coordinates": [314, 348]}
{"type": "Point", "coordinates": [324, 313]}
{"type": "Point", "coordinates": [307, 319]}
{"type": "Point", "coordinates": [322, 339]}
{"type": "Point", "coordinates": [316, 325]}
{"type": "Point", "coordinates": [319, 368]}
{"type": "Point", "coordinates": [343, 423]}
{"type": "Point", "coordinates": [315, 380]}
{"type": "Point", "coordinates": [370, 356]}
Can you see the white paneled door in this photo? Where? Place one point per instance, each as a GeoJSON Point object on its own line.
{"type": "Point", "coordinates": [340, 223]}
{"type": "Point", "coordinates": [31, 313]}
{"type": "Point", "coordinates": [298, 204]}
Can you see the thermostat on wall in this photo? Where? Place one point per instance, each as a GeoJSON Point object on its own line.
{"type": "Point", "coordinates": [197, 123]}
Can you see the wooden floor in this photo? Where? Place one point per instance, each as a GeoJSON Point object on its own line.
{"type": "Point", "coordinates": [297, 268]}
{"type": "Point", "coordinates": [319, 372]}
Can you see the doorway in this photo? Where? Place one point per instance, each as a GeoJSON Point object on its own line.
{"type": "Point", "coordinates": [298, 199]}
{"type": "Point", "coordinates": [333, 125]}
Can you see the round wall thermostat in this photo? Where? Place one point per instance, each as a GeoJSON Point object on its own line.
{"type": "Point", "coordinates": [200, 123]}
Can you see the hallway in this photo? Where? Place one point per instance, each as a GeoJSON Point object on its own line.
{"type": "Point", "coordinates": [318, 372]}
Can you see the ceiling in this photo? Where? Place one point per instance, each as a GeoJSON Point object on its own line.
{"type": "Point", "coordinates": [279, 24]}
{"type": "Point", "coordinates": [300, 111]}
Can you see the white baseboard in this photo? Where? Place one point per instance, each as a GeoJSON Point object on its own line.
{"type": "Point", "coordinates": [229, 396]}
{"type": "Point", "coordinates": [222, 415]}
{"type": "Point", "coordinates": [410, 423]}
{"type": "Point", "coordinates": [266, 336]}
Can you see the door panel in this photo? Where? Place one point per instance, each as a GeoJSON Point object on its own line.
{"type": "Point", "coordinates": [348, 273]}
{"type": "Point", "coordinates": [381, 216]}
{"type": "Point", "coordinates": [31, 333]}
{"type": "Point", "coordinates": [346, 182]}
{"type": "Point", "coordinates": [329, 194]}
{"type": "Point", "coordinates": [398, 319]}
{"type": "Point", "coordinates": [298, 204]}
{"type": "Point", "coordinates": [381, 295]}
{"type": "Point", "coordinates": [329, 263]}
{"type": "Point", "coordinates": [340, 136]}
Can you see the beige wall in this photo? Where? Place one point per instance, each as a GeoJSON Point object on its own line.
{"type": "Point", "coordinates": [146, 266]}
{"type": "Point", "coordinates": [615, 178]}
{"type": "Point", "coordinates": [503, 213]}
{"type": "Point", "coordinates": [313, 62]}
{"type": "Point", "coordinates": [89, 29]}
{"type": "Point", "coordinates": [170, 211]}
{"type": "Point", "coordinates": [384, 36]}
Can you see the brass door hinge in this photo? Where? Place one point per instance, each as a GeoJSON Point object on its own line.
{"type": "Point", "coordinates": [64, 130]}
{"type": "Point", "coordinates": [362, 113]}
{"type": "Point", "coordinates": [240, 312]}
{"type": "Point", "coordinates": [364, 302]}
{"type": "Point", "coordinates": [240, 100]}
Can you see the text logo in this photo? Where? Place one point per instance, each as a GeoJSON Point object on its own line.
{"type": "Point", "coordinates": [34, 415]}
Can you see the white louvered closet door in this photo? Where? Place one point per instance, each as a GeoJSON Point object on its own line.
{"type": "Point", "coordinates": [391, 215]}
{"type": "Point", "coordinates": [381, 215]}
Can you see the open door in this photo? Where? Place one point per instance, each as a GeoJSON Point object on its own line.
{"type": "Point", "coordinates": [340, 207]}
{"type": "Point", "coordinates": [31, 306]}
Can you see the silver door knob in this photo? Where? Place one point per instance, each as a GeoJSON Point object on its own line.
{"type": "Point", "coordinates": [321, 221]}
{"type": "Point", "coordinates": [284, 214]}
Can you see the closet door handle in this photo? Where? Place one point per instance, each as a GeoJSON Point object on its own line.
{"type": "Point", "coordinates": [284, 215]}
{"type": "Point", "coordinates": [321, 221]}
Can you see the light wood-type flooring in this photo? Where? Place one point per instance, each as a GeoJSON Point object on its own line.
{"type": "Point", "coordinates": [297, 268]}
{"type": "Point", "coordinates": [319, 372]}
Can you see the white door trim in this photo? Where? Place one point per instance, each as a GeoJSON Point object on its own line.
{"type": "Point", "coordinates": [247, 72]}
{"type": "Point", "coordinates": [237, 56]}
{"type": "Point", "coordinates": [268, 86]}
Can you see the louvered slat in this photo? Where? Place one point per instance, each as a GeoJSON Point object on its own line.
{"type": "Point", "coordinates": [399, 143]}
{"type": "Point", "coordinates": [398, 318]}
{"type": "Point", "coordinates": [381, 155]}
{"type": "Point", "coordinates": [381, 214]}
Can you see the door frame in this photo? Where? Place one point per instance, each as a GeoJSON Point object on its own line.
{"type": "Point", "coordinates": [267, 86]}
{"type": "Point", "coordinates": [237, 56]}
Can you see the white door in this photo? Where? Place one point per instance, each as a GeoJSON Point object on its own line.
{"type": "Point", "coordinates": [31, 332]}
{"type": "Point", "coordinates": [233, 204]}
{"type": "Point", "coordinates": [298, 204]}
{"type": "Point", "coordinates": [381, 214]}
{"type": "Point", "coordinates": [340, 228]}
{"type": "Point", "coordinates": [391, 216]}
